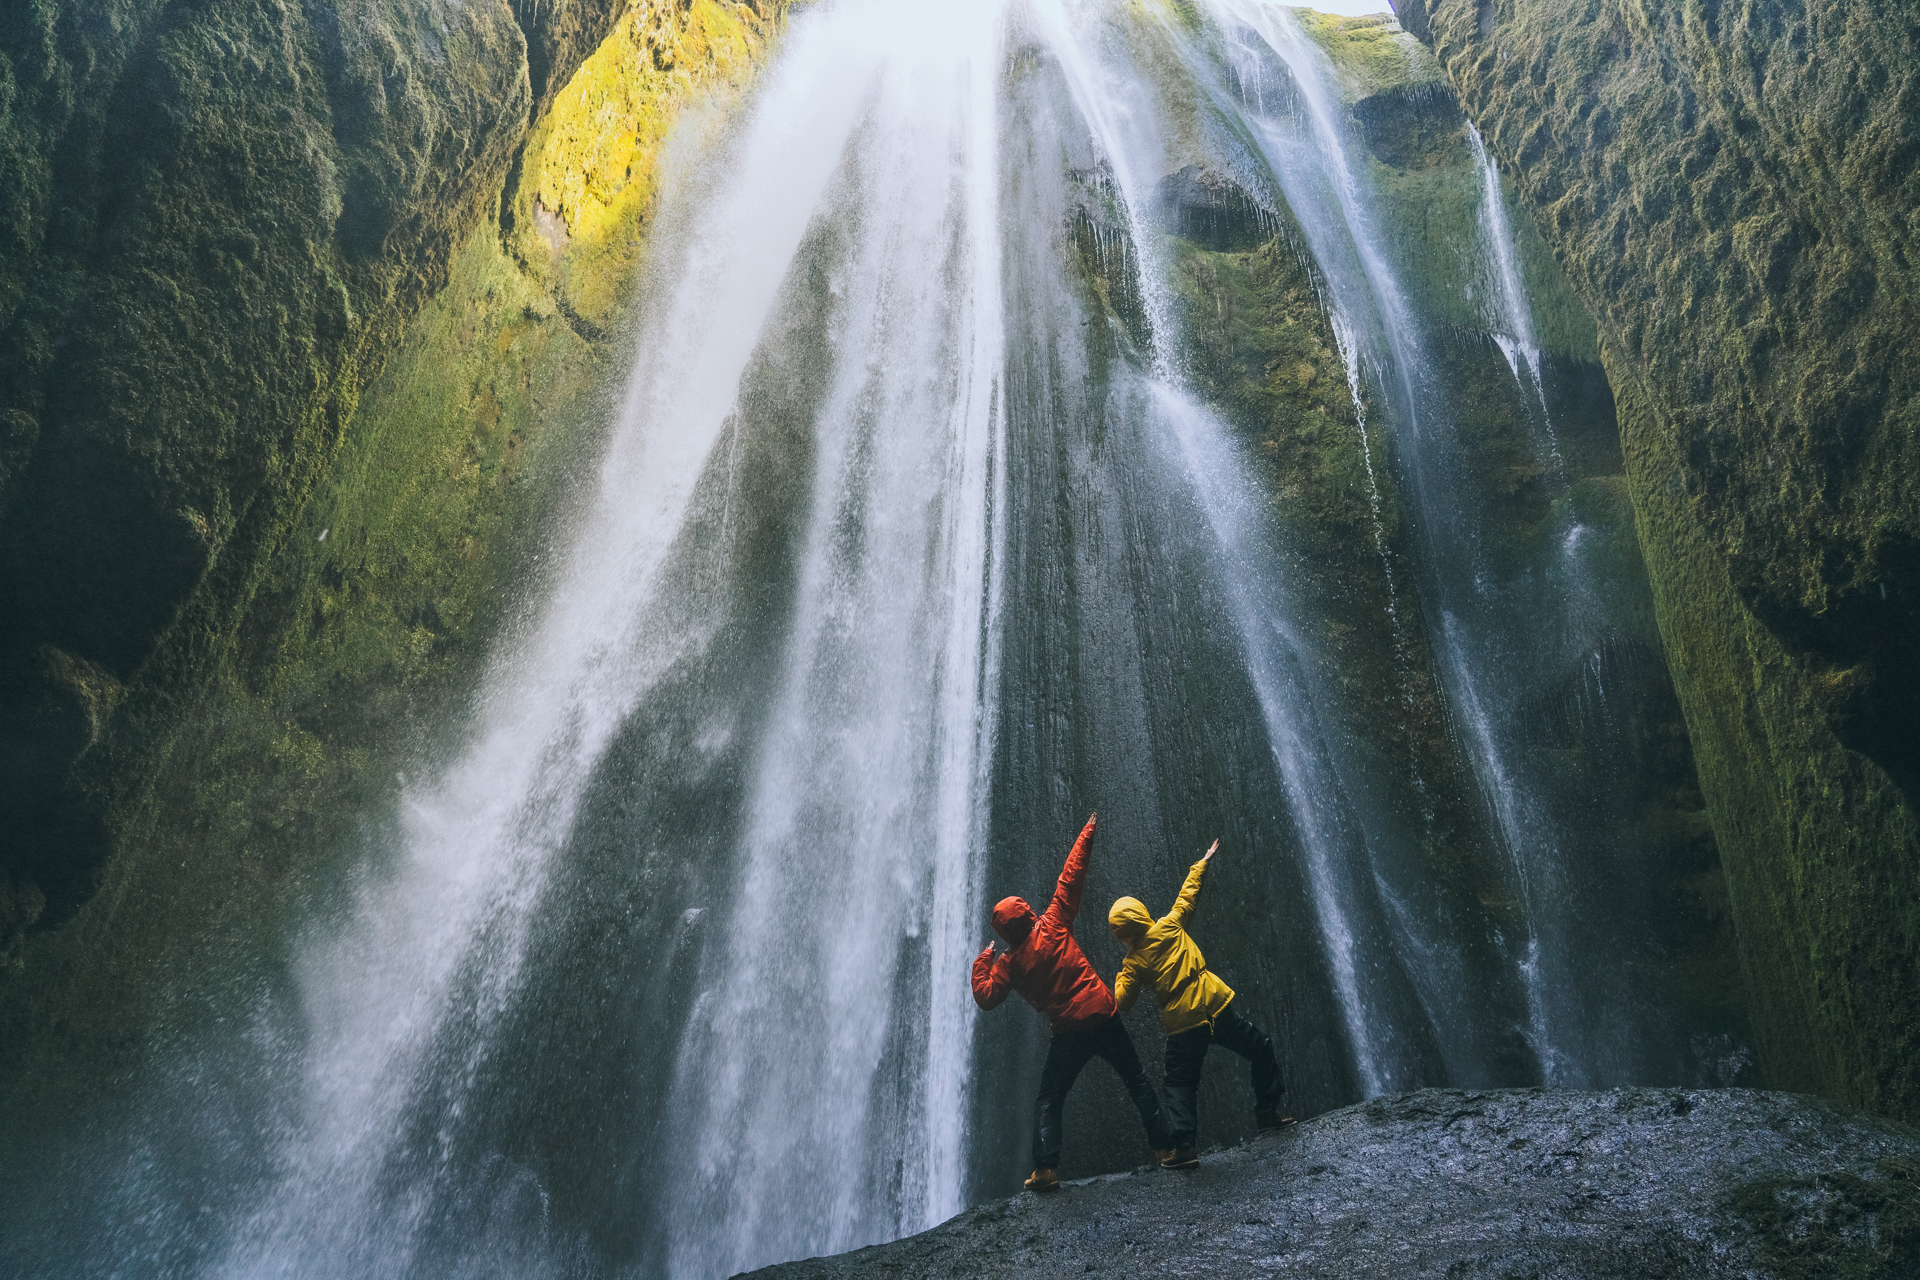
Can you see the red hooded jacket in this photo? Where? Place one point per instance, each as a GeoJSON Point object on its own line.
{"type": "Point", "coordinates": [1045, 965]}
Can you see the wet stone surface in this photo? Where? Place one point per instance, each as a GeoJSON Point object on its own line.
{"type": "Point", "coordinates": [1510, 1183]}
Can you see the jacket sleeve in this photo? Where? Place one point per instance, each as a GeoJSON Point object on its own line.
{"type": "Point", "coordinates": [1073, 877]}
{"type": "Point", "coordinates": [992, 978]}
{"type": "Point", "coordinates": [1189, 893]}
{"type": "Point", "coordinates": [1126, 985]}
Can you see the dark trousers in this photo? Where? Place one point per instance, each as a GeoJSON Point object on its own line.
{"type": "Point", "coordinates": [1069, 1052]}
{"type": "Point", "coordinates": [1188, 1050]}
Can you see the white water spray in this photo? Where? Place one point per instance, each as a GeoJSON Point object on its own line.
{"type": "Point", "coordinates": [889, 816]}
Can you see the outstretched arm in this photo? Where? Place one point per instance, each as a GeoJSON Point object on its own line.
{"type": "Point", "coordinates": [992, 978]}
{"type": "Point", "coordinates": [1073, 877]}
{"type": "Point", "coordinates": [1190, 891]}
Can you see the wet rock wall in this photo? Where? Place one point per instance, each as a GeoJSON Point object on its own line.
{"type": "Point", "coordinates": [1732, 191]}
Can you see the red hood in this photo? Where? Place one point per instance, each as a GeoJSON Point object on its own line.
{"type": "Point", "coordinates": [1013, 920]}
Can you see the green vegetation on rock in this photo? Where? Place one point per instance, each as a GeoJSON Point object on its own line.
{"type": "Point", "coordinates": [233, 777]}
{"type": "Point", "coordinates": [218, 220]}
{"type": "Point", "coordinates": [1733, 194]}
{"type": "Point", "coordinates": [1371, 54]}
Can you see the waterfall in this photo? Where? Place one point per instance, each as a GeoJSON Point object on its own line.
{"type": "Point", "coordinates": [857, 874]}
{"type": "Point", "coordinates": [1512, 318]}
{"type": "Point", "coordinates": [1511, 321]}
{"type": "Point", "coordinates": [855, 862]}
{"type": "Point", "coordinates": [1494, 632]}
{"type": "Point", "coordinates": [912, 541]}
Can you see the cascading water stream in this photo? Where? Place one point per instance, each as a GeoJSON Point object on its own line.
{"type": "Point", "coordinates": [865, 809]}
{"type": "Point", "coordinates": [1348, 890]}
{"type": "Point", "coordinates": [1512, 323]}
{"type": "Point", "coordinates": [1512, 318]}
{"type": "Point", "coordinates": [1323, 184]}
{"type": "Point", "coordinates": [1492, 636]}
{"type": "Point", "coordinates": [864, 820]}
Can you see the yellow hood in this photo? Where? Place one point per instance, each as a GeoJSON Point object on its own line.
{"type": "Point", "coordinates": [1129, 919]}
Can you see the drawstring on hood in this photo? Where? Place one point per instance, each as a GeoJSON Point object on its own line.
{"type": "Point", "coordinates": [1013, 920]}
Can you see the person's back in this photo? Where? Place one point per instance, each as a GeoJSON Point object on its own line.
{"type": "Point", "coordinates": [1046, 967]}
{"type": "Point", "coordinates": [1196, 1011]}
{"type": "Point", "coordinates": [1163, 956]}
{"type": "Point", "coordinates": [1043, 962]}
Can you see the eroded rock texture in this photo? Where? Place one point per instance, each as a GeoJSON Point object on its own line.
{"type": "Point", "coordinates": [1634, 1183]}
{"type": "Point", "coordinates": [1734, 190]}
{"type": "Point", "coordinates": [216, 220]}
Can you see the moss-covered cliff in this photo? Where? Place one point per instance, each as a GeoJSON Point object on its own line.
{"type": "Point", "coordinates": [218, 219]}
{"type": "Point", "coordinates": [1733, 191]}
{"type": "Point", "coordinates": [226, 768]}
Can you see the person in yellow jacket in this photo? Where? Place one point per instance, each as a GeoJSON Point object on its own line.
{"type": "Point", "coordinates": [1196, 1012]}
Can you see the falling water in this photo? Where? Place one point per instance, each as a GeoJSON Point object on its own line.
{"type": "Point", "coordinates": [1498, 633]}
{"type": "Point", "coordinates": [906, 550]}
{"type": "Point", "coordinates": [857, 873]}
{"type": "Point", "coordinates": [1512, 321]}
{"type": "Point", "coordinates": [1511, 325]}
{"type": "Point", "coordinates": [864, 807]}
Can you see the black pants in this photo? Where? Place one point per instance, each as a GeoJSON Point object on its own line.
{"type": "Point", "coordinates": [1069, 1052]}
{"type": "Point", "coordinates": [1188, 1050]}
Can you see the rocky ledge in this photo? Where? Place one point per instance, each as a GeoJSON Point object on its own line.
{"type": "Point", "coordinates": [1633, 1183]}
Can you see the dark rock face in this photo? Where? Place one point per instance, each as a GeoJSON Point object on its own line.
{"type": "Point", "coordinates": [1633, 1183]}
{"type": "Point", "coordinates": [1732, 191]}
{"type": "Point", "coordinates": [216, 220]}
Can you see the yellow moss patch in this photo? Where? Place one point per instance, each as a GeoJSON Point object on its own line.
{"type": "Point", "coordinates": [592, 165]}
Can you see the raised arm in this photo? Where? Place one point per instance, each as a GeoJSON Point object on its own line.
{"type": "Point", "coordinates": [992, 978]}
{"type": "Point", "coordinates": [1073, 877]}
{"type": "Point", "coordinates": [1190, 891]}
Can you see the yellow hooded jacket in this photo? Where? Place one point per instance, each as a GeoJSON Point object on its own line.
{"type": "Point", "coordinates": [1166, 959]}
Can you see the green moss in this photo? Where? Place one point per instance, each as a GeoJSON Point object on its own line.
{"type": "Point", "coordinates": [358, 644]}
{"type": "Point", "coordinates": [219, 220]}
{"type": "Point", "coordinates": [1371, 54]}
{"type": "Point", "coordinates": [577, 223]}
{"type": "Point", "coordinates": [1819, 850]}
{"type": "Point", "coordinates": [1731, 192]}
{"type": "Point", "coordinates": [246, 764]}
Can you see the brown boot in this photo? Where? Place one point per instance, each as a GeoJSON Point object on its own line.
{"type": "Point", "coordinates": [1183, 1158]}
{"type": "Point", "coordinates": [1162, 1154]}
{"type": "Point", "coordinates": [1043, 1180]}
{"type": "Point", "coordinates": [1265, 1120]}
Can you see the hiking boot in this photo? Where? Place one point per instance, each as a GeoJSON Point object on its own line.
{"type": "Point", "coordinates": [1043, 1180]}
{"type": "Point", "coordinates": [1265, 1120]}
{"type": "Point", "coordinates": [1182, 1158]}
{"type": "Point", "coordinates": [1162, 1154]}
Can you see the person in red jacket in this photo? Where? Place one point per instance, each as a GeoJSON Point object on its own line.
{"type": "Point", "coordinates": [1046, 966]}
